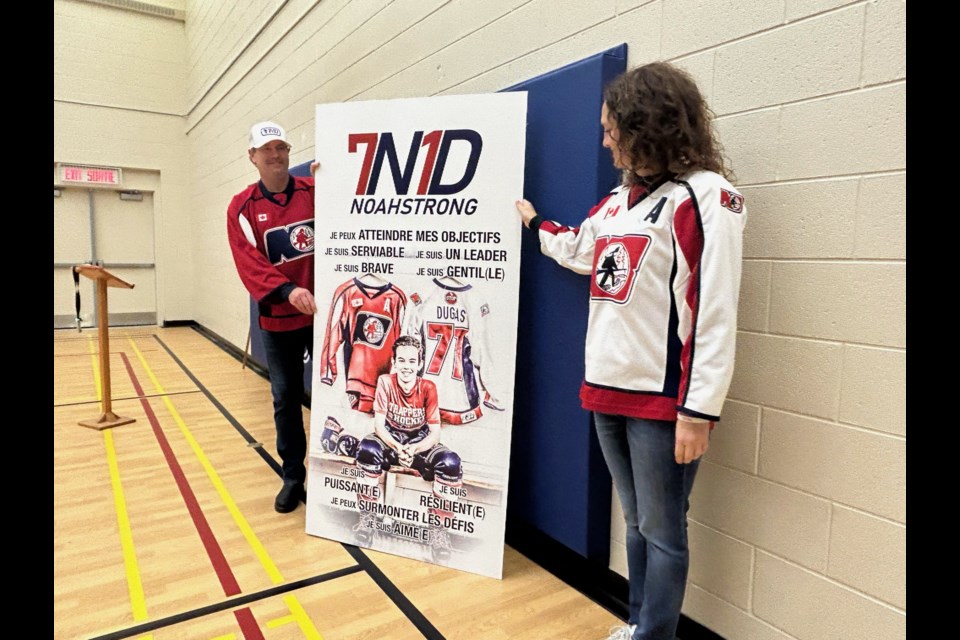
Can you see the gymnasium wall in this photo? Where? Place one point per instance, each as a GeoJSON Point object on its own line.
{"type": "Point", "coordinates": [118, 96]}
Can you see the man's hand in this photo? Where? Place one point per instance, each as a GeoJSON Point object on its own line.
{"type": "Point", "coordinates": [303, 301]}
{"type": "Point", "coordinates": [691, 441]}
{"type": "Point", "coordinates": [527, 212]}
{"type": "Point", "coordinates": [313, 168]}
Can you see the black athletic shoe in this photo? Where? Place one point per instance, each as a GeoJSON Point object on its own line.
{"type": "Point", "coordinates": [289, 497]}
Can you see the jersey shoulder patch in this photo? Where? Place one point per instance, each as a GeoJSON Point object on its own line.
{"type": "Point", "coordinates": [731, 200]}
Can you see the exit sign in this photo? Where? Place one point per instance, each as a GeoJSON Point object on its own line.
{"type": "Point", "coordinates": [85, 174]}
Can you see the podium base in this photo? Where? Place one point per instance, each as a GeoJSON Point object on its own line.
{"type": "Point", "coordinates": [106, 420]}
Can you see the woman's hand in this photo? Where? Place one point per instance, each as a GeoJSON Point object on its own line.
{"type": "Point", "coordinates": [527, 212]}
{"type": "Point", "coordinates": [692, 440]}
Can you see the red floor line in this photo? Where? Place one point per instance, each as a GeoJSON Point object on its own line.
{"type": "Point", "coordinates": [248, 624]}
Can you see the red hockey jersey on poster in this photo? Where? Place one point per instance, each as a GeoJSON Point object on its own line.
{"type": "Point", "coordinates": [366, 320]}
{"type": "Point", "coordinates": [407, 413]}
{"type": "Point", "coordinates": [451, 324]}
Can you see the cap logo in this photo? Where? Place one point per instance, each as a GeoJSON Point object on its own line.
{"type": "Point", "coordinates": [270, 131]}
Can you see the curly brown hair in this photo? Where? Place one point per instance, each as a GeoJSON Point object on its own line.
{"type": "Point", "coordinates": [664, 122]}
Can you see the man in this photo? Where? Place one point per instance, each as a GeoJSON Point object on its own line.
{"type": "Point", "coordinates": [271, 235]}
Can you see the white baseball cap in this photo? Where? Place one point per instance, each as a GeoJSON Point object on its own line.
{"type": "Point", "coordinates": [264, 132]}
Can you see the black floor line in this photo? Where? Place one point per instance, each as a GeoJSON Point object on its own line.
{"type": "Point", "coordinates": [227, 604]}
{"type": "Point", "coordinates": [389, 589]}
{"type": "Point", "coordinates": [145, 396]}
{"type": "Point", "coordinates": [223, 410]}
{"type": "Point", "coordinates": [413, 614]}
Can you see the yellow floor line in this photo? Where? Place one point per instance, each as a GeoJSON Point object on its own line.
{"type": "Point", "coordinates": [138, 602]}
{"type": "Point", "coordinates": [258, 549]}
{"type": "Point", "coordinates": [306, 625]}
{"type": "Point", "coordinates": [279, 622]}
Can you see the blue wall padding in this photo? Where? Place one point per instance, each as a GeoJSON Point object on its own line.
{"type": "Point", "coordinates": [559, 483]}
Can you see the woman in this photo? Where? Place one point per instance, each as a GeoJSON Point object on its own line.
{"type": "Point", "coordinates": [664, 251]}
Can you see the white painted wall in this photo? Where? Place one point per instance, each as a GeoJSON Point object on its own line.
{"type": "Point", "coordinates": [118, 94]}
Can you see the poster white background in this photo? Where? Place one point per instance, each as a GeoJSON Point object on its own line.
{"type": "Point", "coordinates": [425, 222]}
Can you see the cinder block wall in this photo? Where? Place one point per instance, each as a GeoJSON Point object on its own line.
{"type": "Point", "coordinates": [798, 525]}
{"type": "Point", "coordinates": [118, 95]}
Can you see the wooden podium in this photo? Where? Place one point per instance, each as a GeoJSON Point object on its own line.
{"type": "Point", "coordinates": [104, 279]}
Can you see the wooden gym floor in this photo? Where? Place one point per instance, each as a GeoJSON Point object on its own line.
{"type": "Point", "coordinates": [165, 528]}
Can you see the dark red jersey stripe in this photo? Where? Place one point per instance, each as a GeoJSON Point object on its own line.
{"type": "Point", "coordinates": [689, 233]}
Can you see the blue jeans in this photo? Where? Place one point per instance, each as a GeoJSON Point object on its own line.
{"type": "Point", "coordinates": [284, 350]}
{"type": "Point", "coordinates": [654, 492]}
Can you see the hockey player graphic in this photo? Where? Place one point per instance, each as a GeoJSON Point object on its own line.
{"type": "Point", "coordinates": [303, 238]}
{"type": "Point", "coordinates": [407, 432]}
{"type": "Point", "coordinates": [609, 268]}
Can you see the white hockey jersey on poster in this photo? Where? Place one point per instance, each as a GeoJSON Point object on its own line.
{"type": "Point", "coordinates": [451, 323]}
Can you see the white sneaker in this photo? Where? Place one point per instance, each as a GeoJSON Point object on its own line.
{"type": "Point", "coordinates": [624, 632]}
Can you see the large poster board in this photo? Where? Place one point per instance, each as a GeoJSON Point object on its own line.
{"type": "Point", "coordinates": [417, 280]}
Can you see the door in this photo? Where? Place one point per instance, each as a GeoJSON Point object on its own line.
{"type": "Point", "coordinates": [113, 229]}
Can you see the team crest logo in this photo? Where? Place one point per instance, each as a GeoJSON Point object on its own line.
{"type": "Point", "coordinates": [731, 200]}
{"type": "Point", "coordinates": [373, 330]}
{"type": "Point", "coordinates": [614, 263]}
{"type": "Point", "coordinates": [289, 242]}
{"type": "Point", "coordinates": [451, 297]}
{"type": "Point", "coordinates": [301, 238]}
{"type": "Point", "coordinates": [416, 298]}
{"type": "Point", "coordinates": [617, 261]}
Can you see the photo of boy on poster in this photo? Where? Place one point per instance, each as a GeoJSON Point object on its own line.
{"type": "Point", "coordinates": [406, 433]}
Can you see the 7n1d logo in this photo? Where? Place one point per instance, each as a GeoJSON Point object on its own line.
{"type": "Point", "coordinates": [380, 146]}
